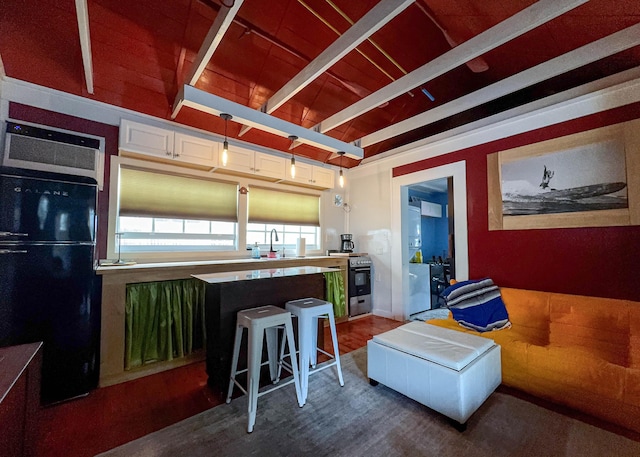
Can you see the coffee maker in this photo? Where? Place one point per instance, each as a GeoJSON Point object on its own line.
{"type": "Point", "coordinates": [347, 244]}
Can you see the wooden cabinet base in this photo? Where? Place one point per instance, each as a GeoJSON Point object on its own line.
{"type": "Point", "coordinates": [20, 368]}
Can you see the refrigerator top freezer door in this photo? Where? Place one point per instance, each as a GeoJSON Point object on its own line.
{"type": "Point", "coordinates": [48, 208]}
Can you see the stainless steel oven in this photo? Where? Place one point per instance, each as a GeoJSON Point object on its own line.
{"type": "Point", "coordinates": [359, 285]}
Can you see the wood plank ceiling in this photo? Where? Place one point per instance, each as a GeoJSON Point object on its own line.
{"type": "Point", "coordinates": [142, 52]}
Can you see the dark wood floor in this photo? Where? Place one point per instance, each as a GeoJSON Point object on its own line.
{"type": "Point", "coordinates": [111, 416]}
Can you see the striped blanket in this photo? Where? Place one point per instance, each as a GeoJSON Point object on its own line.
{"type": "Point", "coordinates": [477, 305]}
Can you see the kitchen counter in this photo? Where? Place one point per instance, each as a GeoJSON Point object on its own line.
{"type": "Point", "coordinates": [229, 292]}
{"type": "Point", "coordinates": [114, 287]}
{"type": "Point", "coordinates": [248, 275]}
{"type": "Point", "coordinates": [227, 263]}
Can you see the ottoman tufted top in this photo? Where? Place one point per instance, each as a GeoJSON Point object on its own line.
{"type": "Point", "coordinates": [445, 347]}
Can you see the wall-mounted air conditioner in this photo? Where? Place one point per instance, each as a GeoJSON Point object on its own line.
{"type": "Point", "coordinates": [49, 149]}
{"type": "Point", "coordinates": [430, 209]}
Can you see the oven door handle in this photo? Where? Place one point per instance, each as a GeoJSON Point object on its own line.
{"type": "Point", "coordinates": [357, 270]}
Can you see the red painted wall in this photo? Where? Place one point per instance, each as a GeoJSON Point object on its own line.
{"type": "Point", "coordinates": [75, 124]}
{"type": "Point", "coordinates": [600, 261]}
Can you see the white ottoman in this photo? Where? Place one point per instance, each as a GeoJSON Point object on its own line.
{"type": "Point", "coordinates": [448, 371]}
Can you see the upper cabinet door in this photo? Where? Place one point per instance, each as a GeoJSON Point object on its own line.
{"type": "Point", "coordinates": [238, 159]}
{"type": "Point", "coordinates": [145, 139]}
{"type": "Point", "coordinates": [196, 150]}
{"type": "Point", "coordinates": [311, 176]}
{"type": "Point", "coordinates": [270, 166]}
{"type": "Point", "coordinates": [304, 173]}
{"type": "Point", "coordinates": [323, 177]}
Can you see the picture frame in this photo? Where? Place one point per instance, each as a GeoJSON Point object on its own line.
{"type": "Point", "coordinates": [587, 179]}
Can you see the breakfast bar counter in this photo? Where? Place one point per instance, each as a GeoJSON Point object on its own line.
{"type": "Point", "coordinates": [227, 293]}
{"type": "Point", "coordinates": [115, 280]}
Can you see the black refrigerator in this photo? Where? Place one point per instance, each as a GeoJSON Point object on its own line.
{"type": "Point", "coordinates": [48, 287]}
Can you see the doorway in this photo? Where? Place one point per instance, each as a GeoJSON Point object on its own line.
{"type": "Point", "coordinates": [455, 175]}
{"type": "Point", "coordinates": [431, 245]}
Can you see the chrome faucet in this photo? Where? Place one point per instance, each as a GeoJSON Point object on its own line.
{"type": "Point", "coordinates": [272, 232]}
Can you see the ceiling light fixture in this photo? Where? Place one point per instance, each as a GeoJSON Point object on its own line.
{"type": "Point", "coordinates": [225, 144]}
{"type": "Point", "coordinates": [292, 138]}
{"type": "Point", "coordinates": [341, 180]}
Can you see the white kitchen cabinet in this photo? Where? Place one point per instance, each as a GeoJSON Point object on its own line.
{"type": "Point", "coordinates": [246, 161]}
{"type": "Point", "coordinates": [323, 177]}
{"type": "Point", "coordinates": [194, 150]}
{"type": "Point", "coordinates": [310, 175]}
{"type": "Point", "coordinates": [145, 139]}
{"type": "Point", "coordinates": [430, 209]}
{"type": "Point", "coordinates": [238, 159]}
{"type": "Point", "coordinates": [269, 165]}
{"type": "Point", "coordinates": [167, 144]}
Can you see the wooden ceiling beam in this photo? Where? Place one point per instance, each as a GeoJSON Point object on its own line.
{"type": "Point", "coordinates": [82, 14]}
{"type": "Point", "coordinates": [518, 24]}
{"type": "Point", "coordinates": [216, 32]}
{"type": "Point", "coordinates": [370, 23]}
{"type": "Point", "coordinates": [213, 104]}
{"type": "Point", "coordinates": [607, 46]}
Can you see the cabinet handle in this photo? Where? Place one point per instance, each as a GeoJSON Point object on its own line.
{"type": "Point", "coordinates": [168, 153]}
{"type": "Point", "coordinates": [257, 170]}
{"type": "Point", "coordinates": [177, 155]}
{"type": "Point", "coordinates": [13, 234]}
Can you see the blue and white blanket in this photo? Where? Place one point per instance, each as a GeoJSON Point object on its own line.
{"type": "Point", "coordinates": [477, 305]}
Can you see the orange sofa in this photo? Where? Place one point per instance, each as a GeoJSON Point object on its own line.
{"type": "Point", "coordinates": [582, 352]}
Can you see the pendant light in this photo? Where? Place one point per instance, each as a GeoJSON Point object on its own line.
{"type": "Point", "coordinates": [225, 144]}
{"type": "Point", "coordinates": [341, 180]}
{"type": "Point", "coordinates": [293, 159]}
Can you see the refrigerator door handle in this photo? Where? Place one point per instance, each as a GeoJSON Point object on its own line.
{"type": "Point", "coordinates": [12, 251]}
{"type": "Point", "coordinates": [13, 234]}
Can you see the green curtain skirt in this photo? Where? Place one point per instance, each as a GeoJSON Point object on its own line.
{"type": "Point", "coordinates": [335, 292]}
{"type": "Point", "coordinates": [163, 320]}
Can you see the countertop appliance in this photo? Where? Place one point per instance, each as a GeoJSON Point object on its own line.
{"type": "Point", "coordinates": [359, 285]}
{"type": "Point", "coordinates": [346, 242]}
{"type": "Point", "coordinates": [48, 287]}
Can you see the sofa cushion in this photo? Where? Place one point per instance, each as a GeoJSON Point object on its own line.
{"type": "Point", "coordinates": [597, 325]}
{"type": "Point", "coordinates": [634, 335]}
{"type": "Point", "coordinates": [529, 314]}
{"type": "Point", "coordinates": [577, 369]}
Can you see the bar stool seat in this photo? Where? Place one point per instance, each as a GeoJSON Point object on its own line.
{"type": "Point", "coordinates": [260, 322]}
{"type": "Point", "coordinates": [308, 311]}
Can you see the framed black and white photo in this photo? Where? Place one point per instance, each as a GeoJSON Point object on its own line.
{"type": "Point", "coordinates": [582, 180]}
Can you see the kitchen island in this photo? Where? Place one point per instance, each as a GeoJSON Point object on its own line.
{"type": "Point", "coordinates": [114, 291]}
{"type": "Point", "coordinates": [229, 292]}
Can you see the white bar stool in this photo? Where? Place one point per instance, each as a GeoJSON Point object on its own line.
{"type": "Point", "coordinates": [260, 322]}
{"type": "Point", "coordinates": [308, 311]}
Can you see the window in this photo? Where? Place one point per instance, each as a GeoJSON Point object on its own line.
{"type": "Point", "coordinates": [293, 215]}
{"type": "Point", "coordinates": [287, 235]}
{"type": "Point", "coordinates": [160, 212]}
